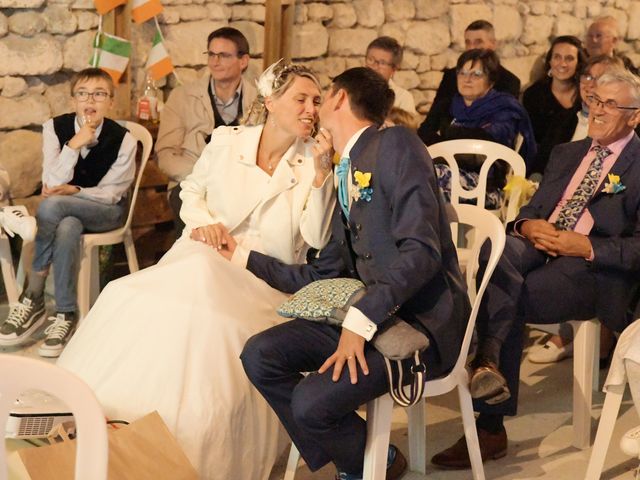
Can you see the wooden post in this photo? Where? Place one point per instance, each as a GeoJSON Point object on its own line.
{"type": "Point", "coordinates": [278, 30]}
{"type": "Point", "coordinates": [118, 22]}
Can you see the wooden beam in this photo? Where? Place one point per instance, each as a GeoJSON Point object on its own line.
{"type": "Point", "coordinates": [118, 22]}
{"type": "Point", "coordinates": [278, 30]}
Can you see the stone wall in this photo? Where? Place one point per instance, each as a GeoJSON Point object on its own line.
{"type": "Point", "coordinates": [42, 42]}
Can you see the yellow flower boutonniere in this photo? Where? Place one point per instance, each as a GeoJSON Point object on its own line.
{"type": "Point", "coordinates": [363, 182]}
{"type": "Point", "coordinates": [614, 185]}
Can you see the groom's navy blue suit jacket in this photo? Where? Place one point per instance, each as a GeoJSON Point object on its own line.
{"type": "Point", "coordinates": [399, 244]}
{"type": "Point", "coordinates": [615, 235]}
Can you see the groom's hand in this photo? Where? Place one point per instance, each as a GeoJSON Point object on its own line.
{"type": "Point", "coordinates": [350, 350]}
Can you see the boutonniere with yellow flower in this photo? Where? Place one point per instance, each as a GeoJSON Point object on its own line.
{"type": "Point", "coordinates": [362, 189]}
{"type": "Point", "coordinates": [614, 185]}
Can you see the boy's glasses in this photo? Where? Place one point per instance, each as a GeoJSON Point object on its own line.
{"type": "Point", "coordinates": [83, 96]}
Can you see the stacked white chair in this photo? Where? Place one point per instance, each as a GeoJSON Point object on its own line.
{"type": "Point", "coordinates": [19, 374]}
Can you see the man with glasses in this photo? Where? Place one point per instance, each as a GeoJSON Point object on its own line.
{"type": "Point", "coordinates": [384, 55]}
{"type": "Point", "coordinates": [220, 97]}
{"type": "Point", "coordinates": [88, 167]}
{"type": "Point", "coordinates": [573, 253]}
{"type": "Point", "coordinates": [602, 38]}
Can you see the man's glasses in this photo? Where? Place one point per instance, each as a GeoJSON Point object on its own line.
{"type": "Point", "coordinates": [474, 74]}
{"type": "Point", "coordinates": [598, 36]}
{"type": "Point", "coordinates": [222, 56]}
{"type": "Point", "coordinates": [609, 106]}
{"type": "Point", "coordinates": [372, 62]}
{"type": "Point", "coordinates": [83, 96]}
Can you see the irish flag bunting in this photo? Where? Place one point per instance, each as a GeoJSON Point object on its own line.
{"type": "Point", "coordinates": [111, 54]}
{"type": "Point", "coordinates": [143, 10]}
{"type": "Point", "coordinates": [105, 6]}
{"type": "Point", "coordinates": [158, 64]}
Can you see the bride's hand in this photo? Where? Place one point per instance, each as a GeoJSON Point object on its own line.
{"type": "Point", "coordinates": [227, 251]}
{"type": "Point", "coordinates": [214, 235]}
{"type": "Point", "coordinates": [322, 156]}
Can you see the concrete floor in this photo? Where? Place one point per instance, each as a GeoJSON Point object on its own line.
{"type": "Point", "coordinates": [539, 437]}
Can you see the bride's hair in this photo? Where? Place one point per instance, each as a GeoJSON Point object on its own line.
{"type": "Point", "coordinates": [273, 82]}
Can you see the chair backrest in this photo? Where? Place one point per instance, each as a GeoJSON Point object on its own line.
{"type": "Point", "coordinates": [486, 226]}
{"type": "Point", "coordinates": [143, 136]}
{"type": "Point", "coordinates": [18, 374]}
{"type": "Point", "coordinates": [493, 152]}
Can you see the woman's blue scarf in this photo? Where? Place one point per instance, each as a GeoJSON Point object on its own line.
{"type": "Point", "coordinates": [501, 115]}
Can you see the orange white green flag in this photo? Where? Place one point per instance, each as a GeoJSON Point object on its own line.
{"type": "Point", "coordinates": [111, 54]}
{"type": "Point", "coordinates": [159, 63]}
{"type": "Point", "coordinates": [105, 6]}
{"type": "Point", "coordinates": [143, 10]}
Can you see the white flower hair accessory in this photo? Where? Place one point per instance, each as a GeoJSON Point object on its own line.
{"type": "Point", "coordinates": [267, 80]}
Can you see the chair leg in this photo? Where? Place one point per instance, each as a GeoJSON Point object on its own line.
{"type": "Point", "coordinates": [292, 463]}
{"type": "Point", "coordinates": [85, 281]}
{"type": "Point", "coordinates": [585, 339]}
{"type": "Point", "coordinates": [605, 429]}
{"type": "Point", "coordinates": [130, 250]}
{"type": "Point", "coordinates": [470, 431]}
{"type": "Point", "coordinates": [378, 430]}
{"type": "Point", "coordinates": [417, 438]}
{"type": "Point", "coordinates": [8, 272]}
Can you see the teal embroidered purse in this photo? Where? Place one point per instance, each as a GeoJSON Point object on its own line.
{"type": "Point", "coordinates": [327, 301]}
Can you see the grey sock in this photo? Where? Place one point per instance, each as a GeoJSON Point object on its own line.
{"type": "Point", "coordinates": [35, 289]}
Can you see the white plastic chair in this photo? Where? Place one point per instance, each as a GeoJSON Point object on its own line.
{"type": "Point", "coordinates": [486, 226]}
{"type": "Point", "coordinates": [615, 387]}
{"type": "Point", "coordinates": [6, 265]}
{"type": "Point", "coordinates": [492, 151]}
{"type": "Point", "coordinates": [586, 375]}
{"type": "Point", "coordinates": [89, 276]}
{"type": "Point", "coordinates": [18, 374]}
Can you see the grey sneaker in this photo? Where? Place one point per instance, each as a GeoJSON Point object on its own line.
{"type": "Point", "coordinates": [24, 318]}
{"type": "Point", "coordinates": [57, 334]}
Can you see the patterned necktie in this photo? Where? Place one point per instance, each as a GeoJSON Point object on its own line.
{"type": "Point", "coordinates": [572, 210]}
{"type": "Point", "coordinates": [342, 171]}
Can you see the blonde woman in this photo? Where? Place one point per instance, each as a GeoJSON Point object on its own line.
{"type": "Point", "coordinates": [168, 338]}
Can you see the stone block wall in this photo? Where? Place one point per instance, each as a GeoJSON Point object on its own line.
{"type": "Point", "coordinates": [42, 42]}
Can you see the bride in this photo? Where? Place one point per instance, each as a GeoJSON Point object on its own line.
{"type": "Point", "coordinates": [168, 338]}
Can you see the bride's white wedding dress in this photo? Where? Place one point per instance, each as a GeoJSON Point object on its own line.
{"type": "Point", "coordinates": [168, 338]}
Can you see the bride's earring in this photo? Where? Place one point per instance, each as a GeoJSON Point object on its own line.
{"type": "Point", "coordinates": [272, 121]}
{"type": "Point", "coordinates": [549, 74]}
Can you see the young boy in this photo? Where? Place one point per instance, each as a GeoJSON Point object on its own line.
{"type": "Point", "coordinates": [89, 164]}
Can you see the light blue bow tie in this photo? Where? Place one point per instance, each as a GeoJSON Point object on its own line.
{"type": "Point", "coordinates": [343, 171]}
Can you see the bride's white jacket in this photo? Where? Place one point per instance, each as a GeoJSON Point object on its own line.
{"type": "Point", "coordinates": [223, 188]}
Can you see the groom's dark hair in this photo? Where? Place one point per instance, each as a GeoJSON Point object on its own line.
{"type": "Point", "coordinates": [369, 94]}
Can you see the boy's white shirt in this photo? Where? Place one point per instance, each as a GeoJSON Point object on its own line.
{"type": "Point", "coordinates": [59, 164]}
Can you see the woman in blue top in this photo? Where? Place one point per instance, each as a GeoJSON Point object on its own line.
{"type": "Point", "coordinates": [478, 111]}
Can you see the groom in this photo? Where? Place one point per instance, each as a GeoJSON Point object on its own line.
{"type": "Point", "coordinates": [394, 236]}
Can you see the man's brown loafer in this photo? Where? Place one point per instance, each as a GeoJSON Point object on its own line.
{"type": "Point", "coordinates": [456, 457]}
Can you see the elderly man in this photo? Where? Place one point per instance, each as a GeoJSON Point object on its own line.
{"type": "Point", "coordinates": [573, 254]}
{"type": "Point", "coordinates": [479, 34]}
{"type": "Point", "coordinates": [384, 55]}
{"type": "Point", "coordinates": [219, 97]}
{"type": "Point", "coordinates": [602, 38]}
